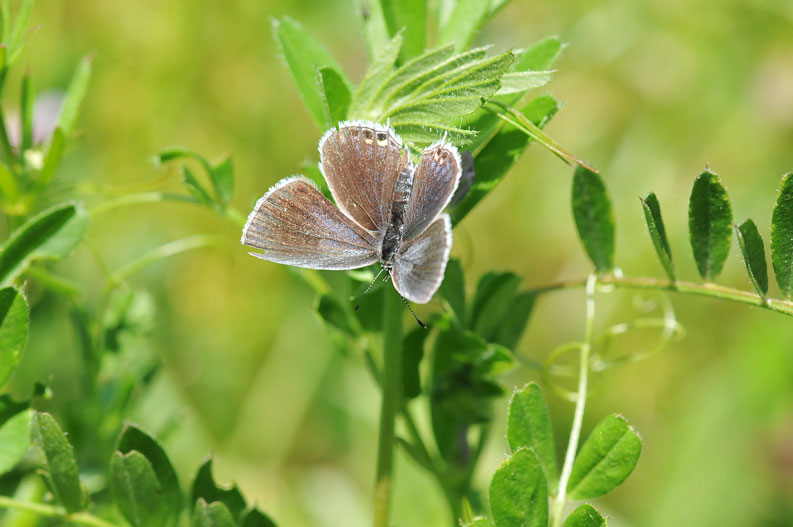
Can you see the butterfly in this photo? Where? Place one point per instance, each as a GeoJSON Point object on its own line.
{"type": "Point", "coordinates": [389, 210]}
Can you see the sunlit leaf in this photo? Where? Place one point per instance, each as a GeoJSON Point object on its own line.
{"type": "Point", "coordinates": [14, 321]}
{"type": "Point", "coordinates": [60, 464]}
{"type": "Point", "coordinates": [709, 224]}
{"type": "Point", "coordinates": [212, 515]}
{"type": "Point", "coordinates": [304, 56]}
{"type": "Point", "coordinates": [134, 439]}
{"type": "Point", "coordinates": [782, 236]}
{"type": "Point", "coordinates": [520, 81]}
{"type": "Point", "coordinates": [222, 177]}
{"type": "Point", "coordinates": [52, 158]}
{"type": "Point", "coordinates": [753, 251]}
{"type": "Point", "coordinates": [15, 36]}
{"type": "Point", "coordinates": [72, 102]}
{"type": "Point", "coordinates": [585, 516]}
{"type": "Point", "coordinates": [594, 217]}
{"type": "Point", "coordinates": [464, 22]}
{"type": "Point", "coordinates": [606, 459]}
{"type": "Point", "coordinates": [137, 491]}
{"type": "Point", "coordinates": [481, 521]}
{"type": "Point", "coordinates": [51, 235]}
{"type": "Point", "coordinates": [26, 117]}
{"type": "Point", "coordinates": [529, 426]}
{"type": "Point", "coordinates": [14, 440]}
{"type": "Point", "coordinates": [375, 31]}
{"type": "Point", "coordinates": [335, 95]}
{"type": "Point", "coordinates": [499, 154]}
{"type": "Point", "coordinates": [539, 56]}
{"type": "Point", "coordinates": [655, 224]}
{"type": "Point", "coordinates": [409, 16]}
{"type": "Point", "coordinates": [519, 492]}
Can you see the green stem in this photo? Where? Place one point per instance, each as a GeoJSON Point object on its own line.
{"type": "Point", "coordinates": [392, 377]}
{"type": "Point", "coordinates": [79, 518]}
{"type": "Point", "coordinates": [580, 404]}
{"type": "Point", "coordinates": [687, 288]}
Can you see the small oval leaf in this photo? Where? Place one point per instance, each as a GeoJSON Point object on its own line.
{"type": "Point", "coordinates": [753, 251]}
{"type": "Point", "coordinates": [14, 321]}
{"type": "Point", "coordinates": [606, 459]}
{"type": "Point", "coordinates": [134, 439]}
{"type": "Point", "coordinates": [585, 516]}
{"type": "Point", "coordinates": [14, 440]}
{"type": "Point", "coordinates": [335, 95]}
{"type": "Point", "coordinates": [655, 224]}
{"type": "Point", "coordinates": [213, 514]}
{"type": "Point", "coordinates": [782, 236]}
{"type": "Point", "coordinates": [59, 457]}
{"type": "Point", "coordinates": [709, 221]}
{"type": "Point", "coordinates": [594, 217]}
{"type": "Point", "coordinates": [529, 425]}
{"type": "Point", "coordinates": [519, 493]}
{"type": "Point", "coordinates": [137, 491]}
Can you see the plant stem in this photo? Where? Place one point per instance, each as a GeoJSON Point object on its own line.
{"type": "Point", "coordinates": [687, 288]}
{"type": "Point", "coordinates": [392, 387]}
{"type": "Point", "coordinates": [79, 518]}
{"type": "Point", "coordinates": [580, 404]}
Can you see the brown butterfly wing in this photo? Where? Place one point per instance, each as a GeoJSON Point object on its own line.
{"type": "Point", "coordinates": [421, 262]}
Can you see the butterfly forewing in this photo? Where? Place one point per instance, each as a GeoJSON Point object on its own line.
{"type": "Point", "coordinates": [419, 267]}
{"type": "Point", "coordinates": [361, 163]}
{"type": "Point", "coordinates": [296, 225]}
{"type": "Point", "coordinates": [434, 182]}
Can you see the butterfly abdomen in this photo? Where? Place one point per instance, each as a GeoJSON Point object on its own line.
{"type": "Point", "coordinates": [393, 234]}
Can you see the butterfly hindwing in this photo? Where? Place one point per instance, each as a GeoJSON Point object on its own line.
{"type": "Point", "coordinates": [421, 262]}
{"type": "Point", "coordinates": [296, 225]}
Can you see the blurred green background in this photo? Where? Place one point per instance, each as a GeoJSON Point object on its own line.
{"type": "Point", "coordinates": [652, 92]}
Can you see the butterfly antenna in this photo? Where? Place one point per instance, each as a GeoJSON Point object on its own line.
{"type": "Point", "coordinates": [412, 312]}
{"type": "Point", "coordinates": [358, 304]}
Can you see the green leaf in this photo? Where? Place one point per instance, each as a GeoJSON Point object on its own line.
{"type": "Point", "coordinates": [334, 314]}
{"type": "Point", "coordinates": [493, 298]}
{"type": "Point", "coordinates": [499, 153]}
{"type": "Point", "coordinates": [222, 177]}
{"type": "Point", "coordinates": [412, 353]}
{"type": "Point", "coordinates": [195, 188]}
{"type": "Point", "coordinates": [514, 320]}
{"type": "Point", "coordinates": [52, 158]}
{"type": "Point", "coordinates": [709, 224]}
{"type": "Point", "coordinates": [585, 516]}
{"type": "Point", "coordinates": [529, 425]}
{"type": "Point", "coordinates": [14, 440]}
{"type": "Point", "coordinates": [594, 217]}
{"type": "Point", "coordinates": [453, 291]}
{"type": "Point", "coordinates": [464, 22]}
{"type": "Point", "coordinates": [782, 236]}
{"type": "Point", "coordinates": [60, 463]}
{"type": "Point", "coordinates": [256, 518]}
{"type": "Point", "coordinates": [655, 224]}
{"type": "Point", "coordinates": [454, 94]}
{"type": "Point", "coordinates": [212, 515]}
{"type": "Point", "coordinates": [753, 251]}
{"type": "Point", "coordinates": [376, 75]}
{"type": "Point", "coordinates": [519, 493]}
{"type": "Point", "coordinates": [416, 68]}
{"type": "Point", "coordinates": [539, 56]}
{"type": "Point", "coordinates": [15, 37]}
{"type": "Point", "coordinates": [375, 31]}
{"type": "Point", "coordinates": [606, 459]}
{"type": "Point", "coordinates": [420, 134]}
{"type": "Point", "coordinates": [14, 321]}
{"type": "Point", "coordinates": [51, 235]}
{"type": "Point", "coordinates": [137, 491]}
{"type": "Point", "coordinates": [134, 439]}
{"type": "Point", "coordinates": [75, 93]}
{"type": "Point", "coordinates": [204, 487]}
{"type": "Point", "coordinates": [335, 95]}
{"type": "Point", "coordinates": [26, 117]}
{"type": "Point", "coordinates": [304, 56]}
{"type": "Point", "coordinates": [520, 81]}
{"type": "Point", "coordinates": [410, 17]}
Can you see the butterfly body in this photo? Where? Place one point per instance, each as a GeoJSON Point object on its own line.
{"type": "Point", "coordinates": [387, 210]}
